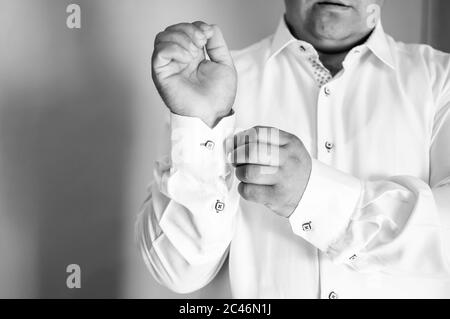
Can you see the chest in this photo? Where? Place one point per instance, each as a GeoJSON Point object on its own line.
{"type": "Point", "coordinates": [368, 123]}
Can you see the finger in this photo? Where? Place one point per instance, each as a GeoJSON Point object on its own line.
{"type": "Point", "coordinates": [257, 174]}
{"type": "Point", "coordinates": [197, 35]}
{"type": "Point", "coordinates": [179, 38]}
{"type": "Point", "coordinates": [260, 194]}
{"type": "Point", "coordinates": [216, 46]}
{"type": "Point", "coordinates": [261, 134]}
{"type": "Point", "coordinates": [258, 153]}
{"type": "Point", "coordinates": [167, 52]}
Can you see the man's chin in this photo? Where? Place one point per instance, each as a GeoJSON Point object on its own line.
{"type": "Point", "coordinates": [331, 18]}
{"type": "Point", "coordinates": [330, 41]}
{"type": "Point", "coordinates": [331, 36]}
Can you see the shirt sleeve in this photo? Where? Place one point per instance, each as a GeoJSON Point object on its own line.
{"type": "Point", "coordinates": [187, 222]}
{"type": "Point", "coordinates": [398, 226]}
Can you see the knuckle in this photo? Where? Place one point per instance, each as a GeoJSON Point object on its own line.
{"type": "Point", "coordinates": [175, 26]}
{"type": "Point", "coordinates": [289, 137]}
{"type": "Point", "coordinates": [292, 143]}
{"type": "Point", "coordinates": [157, 50]}
{"type": "Point", "coordinates": [165, 47]}
{"type": "Point", "coordinates": [180, 37]}
{"type": "Point", "coordinates": [159, 36]}
{"type": "Point", "coordinates": [180, 27]}
{"type": "Point", "coordinates": [294, 139]}
{"type": "Point", "coordinates": [170, 27]}
{"type": "Point", "coordinates": [199, 23]}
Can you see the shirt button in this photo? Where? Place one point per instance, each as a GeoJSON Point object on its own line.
{"type": "Point", "coordinates": [219, 207]}
{"type": "Point", "coordinates": [209, 145]}
{"type": "Point", "coordinates": [327, 91]}
{"type": "Point", "coordinates": [329, 146]}
{"type": "Point", "coordinates": [307, 227]}
{"type": "Point", "coordinates": [333, 295]}
{"type": "Point", "coordinates": [302, 47]}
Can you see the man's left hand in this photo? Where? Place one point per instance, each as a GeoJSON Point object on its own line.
{"type": "Point", "coordinates": [273, 166]}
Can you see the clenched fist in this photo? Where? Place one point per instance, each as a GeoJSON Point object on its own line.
{"type": "Point", "coordinates": [273, 166]}
{"type": "Point", "coordinates": [189, 83]}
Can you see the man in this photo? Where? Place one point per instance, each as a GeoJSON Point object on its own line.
{"type": "Point", "coordinates": [351, 198]}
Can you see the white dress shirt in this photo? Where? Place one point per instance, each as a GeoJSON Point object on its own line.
{"type": "Point", "coordinates": [374, 221]}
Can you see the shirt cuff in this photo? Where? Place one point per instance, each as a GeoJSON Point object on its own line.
{"type": "Point", "coordinates": [330, 199]}
{"type": "Point", "coordinates": [199, 149]}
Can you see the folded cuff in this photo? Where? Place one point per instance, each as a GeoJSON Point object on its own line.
{"type": "Point", "coordinates": [199, 149]}
{"type": "Point", "coordinates": [329, 201]}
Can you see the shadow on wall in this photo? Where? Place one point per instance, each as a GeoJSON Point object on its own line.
{"type": "Point", "coordinates": [64, 138]}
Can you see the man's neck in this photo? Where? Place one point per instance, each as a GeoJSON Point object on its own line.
{"type": "Point", "coordinates": [331, 59]}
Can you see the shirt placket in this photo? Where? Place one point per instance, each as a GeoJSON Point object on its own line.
{"type": "Point", "coordinates": [321, 74]}
{"type": "Point", "coordinates": [325, 152]}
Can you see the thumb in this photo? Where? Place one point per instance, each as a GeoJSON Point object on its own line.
{"type": "Point", "coordinates": [216, 46]}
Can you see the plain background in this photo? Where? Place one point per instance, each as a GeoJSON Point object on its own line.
{"type": "Point", "coordinates": [79, 131]}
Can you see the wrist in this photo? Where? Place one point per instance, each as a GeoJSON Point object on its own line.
{"type": "Point", "coordinates": [305, 177]}
{"type": "Point", "coordinates": [213, 120]}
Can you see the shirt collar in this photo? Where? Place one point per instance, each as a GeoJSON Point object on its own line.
{"type": "Point", "coordinates": [281, 39]}
{"type": "Point", "coordinates": [377, 43]}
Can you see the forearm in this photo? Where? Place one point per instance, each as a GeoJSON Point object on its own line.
{"type": "Point", "coordinates": [166, 262]}
{"type": "Point", "coordinates": [393, 225]}
{"type": "Point", "coordinates": [187, 223]}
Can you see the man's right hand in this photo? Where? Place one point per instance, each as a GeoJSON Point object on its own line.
{"type": "Point", "coordinates": [189, 83]}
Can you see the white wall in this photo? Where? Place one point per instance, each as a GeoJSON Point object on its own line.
{"type": "Point", "coordinates": [79, 130]}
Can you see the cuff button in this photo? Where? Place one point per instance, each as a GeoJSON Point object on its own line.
{"type": "Point", "coordinates": [209, 145]}
{"type": "Point", "coordinates": [307, 226]}
{"type": "Point", "coordinates": [219, 207]}
{"type": "Point", "coordinates": [329, 146]}
{"type": "Point", "coordinates": [333, 295]}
